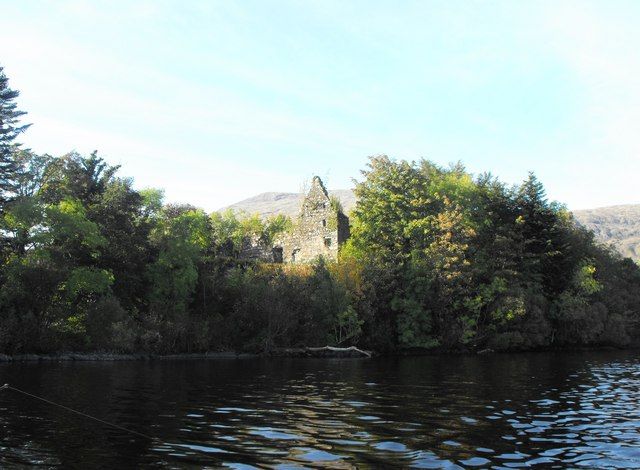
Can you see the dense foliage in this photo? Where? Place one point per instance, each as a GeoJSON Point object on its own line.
{"type": "Point", "coordinates": [438, 258]}
{"type": "Point", "coordinates": [464, 262]}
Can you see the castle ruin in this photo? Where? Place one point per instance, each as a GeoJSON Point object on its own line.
{"type": "Point", "coordinates": [318, 231]}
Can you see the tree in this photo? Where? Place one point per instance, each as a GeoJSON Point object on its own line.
{"type": "Point", "coordinates": [181, 238]}
{"type": "Point", "coordinates": [83, 178]}
{"type": "Point", "coordinates": [9, 131]}
{"type": "Point", "coordinates": [50, 287]}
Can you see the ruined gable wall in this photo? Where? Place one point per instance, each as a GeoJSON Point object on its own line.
{"type": "Point", "coordinates": [316, 230]}
{"type": "Point", "coordinates": [319, 230]}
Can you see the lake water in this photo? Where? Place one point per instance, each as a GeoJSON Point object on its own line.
{"type": "Point", "coordinates": [501, 411]}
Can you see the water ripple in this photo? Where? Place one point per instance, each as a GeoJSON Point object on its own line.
{"type": "Point", "coordinates": [463, 412]}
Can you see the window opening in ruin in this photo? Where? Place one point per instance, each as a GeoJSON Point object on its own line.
{"type": "Point", "coordinates": [327, 242]}
{"type": "Point", "coordinates": [277, 254]}
{"type": "Point", "coordinates": [324, 222]}
{"type": "Point", "coordinates": [293, 254]}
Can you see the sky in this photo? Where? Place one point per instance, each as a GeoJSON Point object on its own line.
{"type": "Point", "coordinates": [217, 101]}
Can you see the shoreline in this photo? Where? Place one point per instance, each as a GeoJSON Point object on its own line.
{"type": "Point", "coordinates": [285, 353]}
{"type": "Point", "coordinates": [113, 357]}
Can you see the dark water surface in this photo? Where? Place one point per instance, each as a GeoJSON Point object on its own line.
{"type": "Point", "coordinates": [502, 411]}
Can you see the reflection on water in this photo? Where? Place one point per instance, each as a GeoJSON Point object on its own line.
{"type": "Point", "coordinates": [504, 411]}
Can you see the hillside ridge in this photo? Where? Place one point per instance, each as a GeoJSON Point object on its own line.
{"type": "Point", "coordinates": [274, 203]}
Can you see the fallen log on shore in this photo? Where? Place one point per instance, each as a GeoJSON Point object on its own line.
{"type": "Point", "coordinates": [326, 351]}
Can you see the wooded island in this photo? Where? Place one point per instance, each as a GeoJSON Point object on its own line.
{"type": "Point", "coordinates": [437, 258]}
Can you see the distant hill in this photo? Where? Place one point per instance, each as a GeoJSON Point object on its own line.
{"type": "Point", "coordinates": [268, 204]}
{"type": "Point", "coordinates": [617, 225]}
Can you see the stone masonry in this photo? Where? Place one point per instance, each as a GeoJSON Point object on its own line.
{"type": "Point", "coordinates": [319, 230]}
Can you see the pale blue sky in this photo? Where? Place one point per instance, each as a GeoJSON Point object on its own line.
{"type": "Point", "coordinates": [218, 101]}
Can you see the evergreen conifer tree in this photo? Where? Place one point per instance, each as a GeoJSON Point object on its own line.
{"type": "Point", "coordinates": [10, 128]}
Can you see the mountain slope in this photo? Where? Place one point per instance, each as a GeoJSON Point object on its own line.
{"type": "Point", "coordinates": [617, 225]}
{"type": "Point", "coordinates": [268, 204]}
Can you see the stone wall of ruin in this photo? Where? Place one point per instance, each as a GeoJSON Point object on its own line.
{"type": "Point", "coordinates": [319, 230]}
